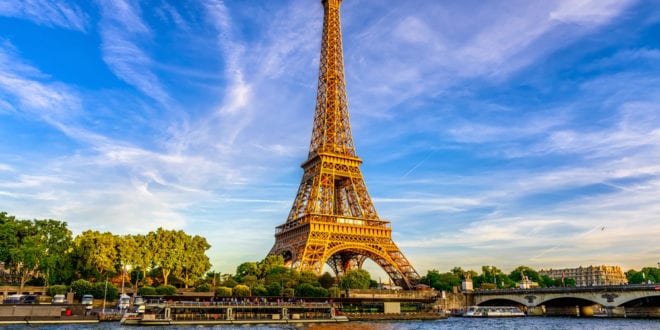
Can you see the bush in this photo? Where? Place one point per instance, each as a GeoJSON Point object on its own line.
{"type": "Point", "coordinates": [57, 289]}
{"type": "Point", "coordinates": [242, 290]}
{"type": "Point", "coordinates": [166, 290]}
{"type": "Point", "coordinates": [203, 288]}
{"type": "Point", "coordinates": [309, 290]}
{"type": "Point", "coordinates": [81, 287]}
{"type": "Point", "coordinates": [223, 291]}
{"type": "Point", "coordinates": [105, 289]}
{"type": "Point", "coordinates": [147, 290]}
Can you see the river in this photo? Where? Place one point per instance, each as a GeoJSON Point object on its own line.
{"type": "Point", "coordinates": [451, 323]}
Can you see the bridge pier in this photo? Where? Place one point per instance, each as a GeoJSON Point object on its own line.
{"type": "Point", "coordinates": [536, 310]}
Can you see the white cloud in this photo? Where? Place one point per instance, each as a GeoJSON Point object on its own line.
{"type": "Point", "coordinates": [46, 12]}
{"type": "Point", "coordinates": [122, 31]}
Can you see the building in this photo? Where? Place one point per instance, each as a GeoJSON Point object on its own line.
{"type": "Point", "coordinates": [589, 276]}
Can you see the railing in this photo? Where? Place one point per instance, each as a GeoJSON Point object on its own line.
{"type": "Point", "coordinates": [596, 288]}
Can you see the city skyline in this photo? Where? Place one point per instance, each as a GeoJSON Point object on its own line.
{"type": "Point", "coordinates": [491, 134]}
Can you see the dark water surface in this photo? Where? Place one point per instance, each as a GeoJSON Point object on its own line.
{"type": "Point", "coordinates": [451, 323]}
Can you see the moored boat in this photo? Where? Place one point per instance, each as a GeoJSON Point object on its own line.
{"type": "Point", "coordinates": [493, 311]}
{"type": "Point", "coordinates": [209, 313]}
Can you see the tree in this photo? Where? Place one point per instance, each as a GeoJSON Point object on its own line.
{"type": "Point", "coordinates": [241, 291]}
{"type": "Point", "coordinates": [204, 287]}
{"type": "Point", "coordinates": [81, 287]}
{"type": "Point", "coordinates": [56, 289]}
{"type": "Point", "coordinates": [147, 290]}
{"type": "Point", "coordinates": [356, 279]}
{"type": "Point", "coordinates": [223, 291]}
{"type": "Point", "coordinates": [144, 257]}
{"type": "Point", "coordinates": [166, 290]}
{"type": "Point", "coordinates": [126, 253]}
{"type": "Point", "coordinates": [274, 289]}
{"type": "Point", "coordinates": [265, 265]}
{"type": "Point", "coordinates": [168, 248]}
{"type": "Point", "coordinates": [445, 281]}
{"type": "Point", "coordinates": [105, 289]}
{"type": "Point", "coordinates": [95, 253]}
{"type": "Point", "coordinates": [246, 269]}
{"type": "Point", "coordinates": [532, 275]}
{"type": "Point", "coordinates": [194, 262]}
{"type": "Point", "coordinates": [56, 258]}
{"type": "Point", "coordinates": [326, 280]}
{"type": "Point", "coordinates": [26, 255]}
{"type": "Point", "coordinates": [259, 291]}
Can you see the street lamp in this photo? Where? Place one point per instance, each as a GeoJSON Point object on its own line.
{"type": "Point", "coordinates": [105, 293]}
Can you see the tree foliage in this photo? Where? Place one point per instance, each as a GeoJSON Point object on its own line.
{"type": "Point", "coordinates": [356, 279]}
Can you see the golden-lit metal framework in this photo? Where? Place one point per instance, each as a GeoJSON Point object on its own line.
{"type": "Point", "coordinates": [333, 219]}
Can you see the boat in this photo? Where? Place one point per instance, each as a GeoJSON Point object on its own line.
{"type": "Point", "coordinates": [219, 313]}
{"type": "Point", "coordinates": [493, 311]}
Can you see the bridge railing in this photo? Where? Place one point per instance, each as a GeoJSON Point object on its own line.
{"type": "Point", "coordinates": [595, 288]}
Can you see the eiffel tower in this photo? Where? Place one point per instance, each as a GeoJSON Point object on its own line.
{"type": "Point", "coordinates": [333, 219]}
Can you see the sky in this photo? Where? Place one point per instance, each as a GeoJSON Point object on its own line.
{"type": "Point", "coordinates": [491, 133]}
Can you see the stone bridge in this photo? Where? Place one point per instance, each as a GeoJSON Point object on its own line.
{"type": "Point", "coordinates": [614, 300]}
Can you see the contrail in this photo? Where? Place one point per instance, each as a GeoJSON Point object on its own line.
{"type": "Point", "coordinates": [417, 165]}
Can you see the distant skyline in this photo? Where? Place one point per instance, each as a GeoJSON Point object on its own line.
{"type": "Point", "coordinates": [492, 133]}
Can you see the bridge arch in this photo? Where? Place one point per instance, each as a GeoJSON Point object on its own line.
{"type": "Point", "coordinates": [510, 301]}
{"type": "Point", "coordinates": [650, 300]}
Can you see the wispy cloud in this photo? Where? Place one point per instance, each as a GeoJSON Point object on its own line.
{"type": "Point", "coordinates": [122, 31]}
{"type": "Point", "coordinates": [46, 12]}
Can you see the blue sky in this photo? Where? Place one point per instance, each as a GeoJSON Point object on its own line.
{"type": "Point", "coordinates": [492, 133]}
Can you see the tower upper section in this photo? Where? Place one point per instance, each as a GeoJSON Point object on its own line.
{"type": "Point", "coordinates": [331, 133]}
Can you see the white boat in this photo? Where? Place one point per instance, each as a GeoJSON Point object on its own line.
{"type": "Point", "coordinates": [493, 311]}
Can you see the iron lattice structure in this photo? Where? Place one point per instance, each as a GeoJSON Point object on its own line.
{"type": "Point", "coordinates": [333, 219]}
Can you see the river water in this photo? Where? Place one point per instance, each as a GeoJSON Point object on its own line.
{"type": "Point", "coordinates": [451, 323]}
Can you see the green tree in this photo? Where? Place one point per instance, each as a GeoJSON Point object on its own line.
{"type": "Point", "coordinates": [168, 248]}
{"type": "Point", "coordinates": [223, 291]}
{"type": "Point", "coordinates": [274, 289]}
{"type": "Point", "coordinates": [308, 276]}
{"type": "Point", "coordinates": [241, 291]}
{"type": "Point", "coordinates": [194, 262]}
{"type": "Point", "coordinates": [204, 287]}
{"type": "Point", "coordinates": [95, 254]}
{"type": "Point", "coordinates": [310, 290]}
{"type": "Point", "coordinates": [126, 254]}
{"type": "Point", "coordinates": [166, 290]}
{"type": "Point", "coordinates": [144, 257]}
{"type": "Point", "coordinates": [259, 291]}
{"type": "Point", "coordinates": [269, 262]}
{"type": "Point", "coordinates": [458, 272]}
{"type": "Point", "coordinates": [81, 287]}
{"type": "Point", "coordinates": [105, 289]}
{"type": "Point", "coordinates": [326, 280]}
{"type": "Point", "coordinates": [438, 281]}
{"type": "Point", "coordinates": [57, 289]}
{"type": "Point", "coordinates": [26, 255]}
{"type": "Point", "coordinates": [7, 235]}
{"type": "Point", "coordinates": [247, 269]}
{"type": "Point", "coordinates": [532, 275]}
{"type": "Point", "coordinates": [356, 279]}
{"type": "Point", "coordinates": [147, 290]}
{"type": "Point", "coordinates": [250, 280]}
{"type": "Point", "coordinates": [57, 241]}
